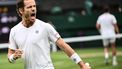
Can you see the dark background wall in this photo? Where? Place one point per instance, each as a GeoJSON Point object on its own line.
{"type": "Point", "coordinates": [70, 17]}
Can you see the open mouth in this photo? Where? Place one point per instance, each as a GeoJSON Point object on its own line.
{"type": "Point", "coordinates": [33, 14]}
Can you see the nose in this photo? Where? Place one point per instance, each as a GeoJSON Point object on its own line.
{"type": "Point", "coordinates": [33, 9]}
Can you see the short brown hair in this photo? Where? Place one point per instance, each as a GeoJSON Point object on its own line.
{"type": "Point", "coordinates": [106, 8]}
{"type": "Point", "coordinates": [20, 4]}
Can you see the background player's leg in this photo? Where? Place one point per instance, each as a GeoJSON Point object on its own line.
{"type": "Point", "coordinates": [106, 50]}
{"type": "Point", "coordinates": [114, 60]}
{"type": "Point", "coordinates": [106, 55]}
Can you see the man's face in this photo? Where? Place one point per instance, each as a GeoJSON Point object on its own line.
{"type": "Point", "coordinates": [29, 10]}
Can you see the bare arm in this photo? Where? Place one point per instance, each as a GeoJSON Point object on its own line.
{"type": "Point", "coordinates": [65, 47]}
{"type": "Point", "coordinates": [98, 26]}
{"type": "Point", "coordinates": [69, 51]}
{"type": "Point", "coordinates": [116, 28]}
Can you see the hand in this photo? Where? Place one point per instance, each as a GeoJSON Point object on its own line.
{"type": "Point", "coordinates": [84, 65]}
{"type": "Point", "coordinates": [18, 53]}
{"type": "Point", "coordinates": [117, 33]}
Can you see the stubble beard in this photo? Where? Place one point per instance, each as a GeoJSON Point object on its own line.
{"type": "Point", "coordinates": [28, 21]}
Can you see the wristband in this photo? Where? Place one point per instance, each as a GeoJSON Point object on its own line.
{"type": "Point", "coordinates": [76, 58]}
{"type": "Point", "coordinates": [11, 58]}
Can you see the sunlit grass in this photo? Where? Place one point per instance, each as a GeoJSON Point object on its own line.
{"type": "Point", "coordinates": [61, 61]}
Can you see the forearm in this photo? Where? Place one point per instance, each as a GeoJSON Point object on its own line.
{"type": "Point", "coordinates": [74, 57]}
{"type": "Point", "coordinates": [65, 47]}
{"type": "Point", "coordinates": [69, 51]}
{"type": "Point", "coordinates": [116, 28]}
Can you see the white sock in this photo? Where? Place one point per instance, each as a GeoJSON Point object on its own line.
{"type": "Point", "coordinates": [106, 55]}
{"type": "Point", "coordinates": [114, 58]}
{"type": "Point", "coordinates": [114, 61]}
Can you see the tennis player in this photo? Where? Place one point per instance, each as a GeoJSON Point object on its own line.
{"type": "Point", "coordinates": [107, 25]}
{"type": "Point", "coordinates": [30, 40]}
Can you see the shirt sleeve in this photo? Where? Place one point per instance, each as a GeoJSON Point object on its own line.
{"type": "Point", "coordinates": [12, 43]}
{"type": "Point", "coordinates": [52, 33]}
{"type": "Point", "coordinates": [114, 21]}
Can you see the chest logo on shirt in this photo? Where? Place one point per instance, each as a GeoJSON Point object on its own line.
{"type": "Point", "coordinates": [36, 31]}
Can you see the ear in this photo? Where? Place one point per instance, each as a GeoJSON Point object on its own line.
{"type": "Point", "coordinates": [20, 11]}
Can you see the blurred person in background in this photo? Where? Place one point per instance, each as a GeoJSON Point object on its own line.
{"type": "Point", "coordinates": [30, 40]}
{"type": "Point", "coordinates": [88, 6]}
{"type": "Point", "coordinates": [108, 28]}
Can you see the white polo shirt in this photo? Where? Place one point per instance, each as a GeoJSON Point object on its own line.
{"type": "Point", "coordinates": [34, 41]}
{"type": "Point", "coordinates": [106, 22]}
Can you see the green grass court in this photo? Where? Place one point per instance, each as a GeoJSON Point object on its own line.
{"type": "Point", "coordinates": [92, 55]}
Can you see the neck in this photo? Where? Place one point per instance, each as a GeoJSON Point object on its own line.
{"type": "Point", "coordinates": [27, 23]}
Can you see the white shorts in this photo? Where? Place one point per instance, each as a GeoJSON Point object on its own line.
{"type": "Point", "coordinates": [108, 41]}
